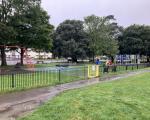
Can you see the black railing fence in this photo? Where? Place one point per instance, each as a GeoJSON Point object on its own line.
{"type": "Point", "coordinates": [123, 67]}
{"type": "Point", "coordinates": [24, 79]}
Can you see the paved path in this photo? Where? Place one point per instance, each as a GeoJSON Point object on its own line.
{"type": "Point", "coordinates": [14, 105]}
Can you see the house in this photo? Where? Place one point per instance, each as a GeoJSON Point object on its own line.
{"type": "Point", "coordinates": [15, 54]}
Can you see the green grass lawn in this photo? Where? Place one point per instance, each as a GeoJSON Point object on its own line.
{"type": "Point", "coordinates": [125, 99]}
{"type": "Point", "coordinates": [46, 65]}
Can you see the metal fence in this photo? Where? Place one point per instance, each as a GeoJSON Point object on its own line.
{"type": "Point", "coordinates": [24, 79]}
{"type": "Point", "coordinates": [123, 67]}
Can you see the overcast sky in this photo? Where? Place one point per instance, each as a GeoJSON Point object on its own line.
{"type": "Point", "coordinates": [126, 12]}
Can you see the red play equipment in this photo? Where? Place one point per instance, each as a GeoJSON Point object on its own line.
{"type": "Point", "coordinates": [26, 57]}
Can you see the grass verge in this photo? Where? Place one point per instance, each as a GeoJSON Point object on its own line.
{"type": "Point", "coordinates": [125, 99]}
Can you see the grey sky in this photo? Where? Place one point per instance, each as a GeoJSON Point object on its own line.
{"type": "Point", "coordinates": [126, 12]}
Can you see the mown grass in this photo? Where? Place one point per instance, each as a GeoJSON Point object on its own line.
{"type": "Point", "coordinates": [46, 65]}
{"type": "Point", "coordinates": [125, 99]}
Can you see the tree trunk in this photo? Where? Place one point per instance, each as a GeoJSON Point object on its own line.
{"type": "Point", "coordinates": [136, 61]}
{"type": "Point", "coordinates": [148, 59]}
{"type": "Point", "coordinates": [3, 57]}
{"type": "Point", "coordinates": [93, 57]}
{"type": "Point", "coordinates": [112, 59]}
{"type": "Point", "coordinates": [22, 56]}
{"type": "Point", "coordinates": [74, 59]}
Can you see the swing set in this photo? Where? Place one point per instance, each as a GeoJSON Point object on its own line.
{"type": "Point", "coordinates": [28, 59]}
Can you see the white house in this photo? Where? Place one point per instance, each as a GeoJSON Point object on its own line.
{"type": "Point", "coordinates": [15, 55]}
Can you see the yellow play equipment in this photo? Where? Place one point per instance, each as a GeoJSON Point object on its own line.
{"type": "Point", "coordinates": [93, 71]}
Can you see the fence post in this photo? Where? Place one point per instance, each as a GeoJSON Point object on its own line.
{"type": "Point", "coordinates": [114, 68]}
{"type": "Point", "coordinates": [132, 67]}
{"type": "Point", "coordinates": [126, 67]}
{"type": "Point", "coordinates": [59, 75]}
{"type": "Point", "coordinates": [13, 82]}
{"type": "Point", "coordinates": [137, 66]}
{"type": "Point", "coordinates": [84, 72]}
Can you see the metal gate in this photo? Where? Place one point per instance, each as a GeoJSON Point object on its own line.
{"type": "Point", "coordinates": [93, 71]}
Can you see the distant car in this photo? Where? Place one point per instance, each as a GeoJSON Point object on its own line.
{"type": "Point", "coordinates": [69, 59]}
{"type": "Point", "coordinates": [103, 58]}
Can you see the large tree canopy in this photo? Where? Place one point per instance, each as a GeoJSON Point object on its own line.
{"type": "Point", "coordinates": [102, 32]}
{"type": "Point", "coordinates": [30, 23]}
{"type": "Point", "coordinates": [135, 40]}
{"type": "Point", "coordinates": [71, 40]}
{"type": "Point", "coordinates": [7, 33]}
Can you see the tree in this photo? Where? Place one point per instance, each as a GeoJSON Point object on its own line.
{"type": "Point", "coordinates": [145, 36]}
{"type": "Point", "coordinates": [31, 23]}
{"type": "Point", "coordinates": [7, 32]}
{"type": "Point", "coordinates": [71, 40]}
{"type": "Point", "coordinates": [102, 32]}
{"type": "Point", "coordinates": [135, 40]}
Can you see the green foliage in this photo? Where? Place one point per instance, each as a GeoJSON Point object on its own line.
{"type": "Point", "coordinates": [24, 23]}
{"type": "Point", "coordinates": [102, 32]}
{"type": "Point", "coordinates": [32, 25]}
{"type": "Point", "coordinates": [135, 40]}
{"type": "Point", "coordinates": [7, 33]}
{"type": "Point", "coordinates": [70, 40]}
{"type": "Point", "coordinates": [125, 99]}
